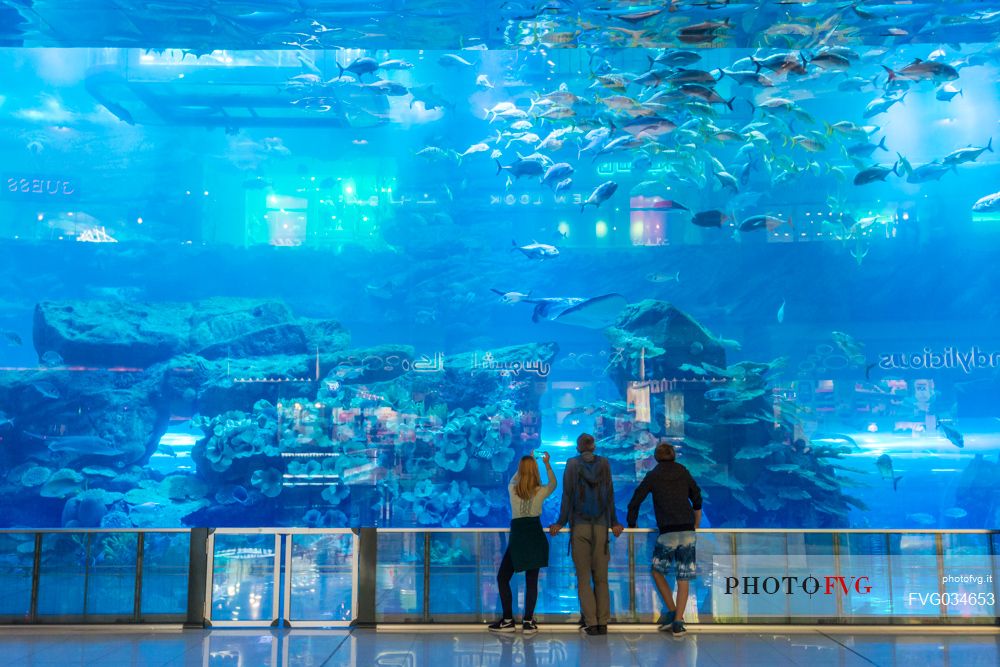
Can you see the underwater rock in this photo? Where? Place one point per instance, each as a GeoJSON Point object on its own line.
{"type": "Point", "coordinates": [278, 339]}
{"type": "Point", "coordinates": [62, 483]}
{"type": "Point", "coordinates": [129, 333]}
{"type": "Point", "coordinates": [238, 329]}
{"type": "Point", "coordinates": [238, 384]}
{"type": "Point", "coordinates": [104, 418]}
{"type": "Point", "coordinates": [110, 333]}
{"type": "Point", "coordinates": [480, 377]}
{"type": "Point", "coordinates": [675, 337]}
{"type": "Point", "coordinates": [368, 364]}
{"type": "Point", "coordinates": [190, 384]}
{"type": "Point", "coordinates": [326, 336]}
{"type": "Point", "coordinates": [87, 509]}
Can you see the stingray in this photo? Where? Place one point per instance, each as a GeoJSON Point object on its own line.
{"type": "Point", "coordinates": [596, 313]}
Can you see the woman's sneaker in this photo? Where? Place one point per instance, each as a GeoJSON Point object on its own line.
{"type": "Point", "coordinates": [668, 622]}
{"type": "Point", "coordinates": [678, 629]}
{"type": "Point", "coordinates": [529, 627]}
{"type": "Point", "coordinates": [504, 625]}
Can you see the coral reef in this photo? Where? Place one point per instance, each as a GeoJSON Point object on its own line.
{"type": "Point", "coordinates": [732, 431]}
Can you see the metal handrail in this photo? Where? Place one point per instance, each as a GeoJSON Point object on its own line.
{"type": "Point", "coordinates": [283, 537]}
{"type": "Point", "coordinates": [251, 530]}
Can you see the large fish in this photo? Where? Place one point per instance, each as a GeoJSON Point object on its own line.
{"type": "Point", "coordinates": [952, 433]}
{"type": "Point", "coordinates": [969, 154]}
{"type": "Point", "coordinates": [79, 444]}
{"type": "Point", "coordinates": [882, 104]}
{"type": "Point", "coordinates": [924, 70]}
{"type": "Point", "coordinates": [359, 67]}
{"type": "Point", "coordinates": [875, 173]}
{"type": "Point", "coordinates": [523, 167]}
{"type": "Point", "coordinates": [932, 171]}
{"type": "Point", "coordinates": [600, 194]}
{"type": "Point", "coordinates": [557, 173]}
{"type": "Point", "coordinates": [884, 465]}
{"type": "Point", "coordinates": [712, 218]}
{"type": "Point", "coordinates": [988, 204]}
{"type": "Point", "coordinates": [596, 313]}
{"type": "Point", "coordinates": [536, 250]}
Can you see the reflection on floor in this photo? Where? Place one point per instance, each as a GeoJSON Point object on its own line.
{"type": "Point", "coordinates": [365, 648]}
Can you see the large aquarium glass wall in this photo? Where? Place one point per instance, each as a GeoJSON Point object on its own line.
{"type": "Point", "coordinates": [300, 265]}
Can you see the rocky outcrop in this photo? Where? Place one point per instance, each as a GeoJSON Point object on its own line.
{"type": "Point", "coordinates": [111, 333]}
{"type": "Point", "coordinates": [124, 333]}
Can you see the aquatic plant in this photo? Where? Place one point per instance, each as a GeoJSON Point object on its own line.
{"type": "Point", "coordinates": [183, 487]}
{"type": "Point", "coordinates": [336, 493]}
{"type": "Point", "coordinates": [116, 519]}
{"type": "Point", "coordinates": [62, 483]}
{"type": "Point", "coordinates": [268, 481]}
{"type": "Point", "coordinates": [35, 476]}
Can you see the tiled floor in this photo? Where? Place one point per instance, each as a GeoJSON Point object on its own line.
{"type": "Point", "coordinates": [365, 648]}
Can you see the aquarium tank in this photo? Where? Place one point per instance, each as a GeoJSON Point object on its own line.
{"type": "Point", "coordinates": [307, 263]}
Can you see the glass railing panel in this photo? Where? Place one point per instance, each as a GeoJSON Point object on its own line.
{"type": "Point", "coordinates": [17, 556]}
{"type": "Point", "coordinates": [111, 574]}
{"type": "Point", "coordinates": [760, 555]}
{"type": "Point", "coordinates": [649, 606]}
{"type": "Point", "coordinates": [867, 554]}
{"type": "Point", "coordinates": [399, 580]}
{"type": "Point", "coordinates": [810, 555]}
{"type": "Point", "coordinates": [322, 577]}
{"type": "Point", "coordinates": [62, 575]}
{"type": "Point", "coordinates": [967, 576]}
{"type": "Point", "coordinates": [165, 573]}
{"type": "Point", "coordinates": [243, 577]}
{"type": "Point", "coordinates": [557, 583]}
{"type": "Point", "coordinates": [914, 570]}
{"type": "Point", "coordinates": [454, 576]}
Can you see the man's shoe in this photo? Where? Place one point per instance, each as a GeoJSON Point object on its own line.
{"type": "Point", "coordinates": [602, 629]}
{"type": "Point", "coordinates": [593, 630]}
{"type": "Point", "coordinates": [668, 621]}
{"type": "Point", "coordinates": [504, 625]}
{"type": "Point", "coordinates": [678, 629]}
{"type": "Point", "coordinates": [529, 627]}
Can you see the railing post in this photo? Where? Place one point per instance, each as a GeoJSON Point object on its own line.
{"type": "Point", "coordinates": [991, 540]}
{"type": "Point", "coordinates": [367, 572]}
{"type": "Point", "coordinates": [427, 579]}
{"type": "Point", "coordinates": [140, 550]}
{"type": "Point", "coordinates": [939, 551]}
{"type": "Point", "coordinates": [633, 618]}
{"type": "Point", "coordinates": [479, 583]}
{"type": "Point", "coordinates": [36, 572]}
{"type": "Point", "coordinates": [197, 578]}
{"type": "Point", "coordinates": [837, 571]}
{"type": "Point", "coordinates": [888, 564]}
{"type": "Point", "coordinates": [86, 573]}
{"type": "Point", "coordinates": [735, 562]}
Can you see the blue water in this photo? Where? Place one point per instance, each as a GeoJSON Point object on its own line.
{"type": "Point", "coordinates": [245, 288]}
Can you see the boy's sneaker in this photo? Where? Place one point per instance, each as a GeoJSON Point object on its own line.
{"type": "Point", "coordinates": [504, 625]}
{"type": "Point", "coordinates": [529, 627]}
{"type": "Point", "coordinates": [678, 629]}
{"type": "Point", "coordinates": [668, 622]}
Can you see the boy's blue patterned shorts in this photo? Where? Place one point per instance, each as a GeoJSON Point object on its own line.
{"type": "Point", "coordinates": [676, 550]}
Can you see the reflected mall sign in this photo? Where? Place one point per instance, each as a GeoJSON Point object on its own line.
{"type": "Point", "coordinates": [39, 187]}
{"type": "Point", "coordinates": [534, 199]}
